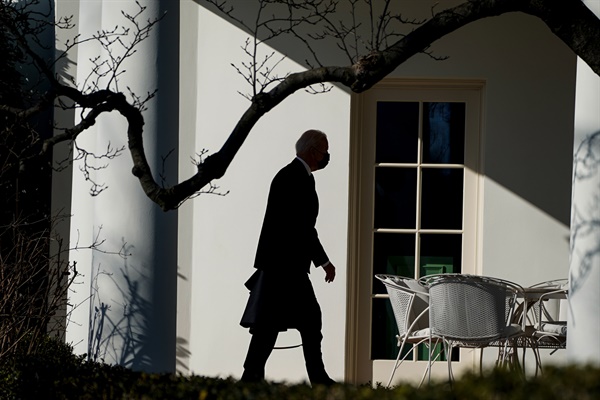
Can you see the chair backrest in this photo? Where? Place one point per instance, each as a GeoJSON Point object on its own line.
{"type": "Point", "coordinates": [409, 301]}
{"type": "Point", "coordinates": [552, 309]}
{"type": "Point", "coordinates": [470, 308]}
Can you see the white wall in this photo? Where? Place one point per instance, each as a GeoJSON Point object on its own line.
{"type": "Point", "coordinates": [226, 228]}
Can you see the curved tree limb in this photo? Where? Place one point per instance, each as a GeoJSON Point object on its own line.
{"type": "Point", "coordinates": [571, 21]}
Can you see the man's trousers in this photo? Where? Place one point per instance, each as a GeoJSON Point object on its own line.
{"type": "Point", "coordinates": [262, 343]}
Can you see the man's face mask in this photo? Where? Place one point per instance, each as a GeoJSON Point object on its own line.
{"type": "Point", "coordinates": [324, 161]}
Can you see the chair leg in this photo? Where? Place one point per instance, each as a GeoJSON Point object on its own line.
{"type": "Point", "coordinates": [523, 358]}
{"type": "Point", "coordinates": [424, 375]}
{"type": "Point", "coordinates": [538, 358]}
{"type": "Point", "coordinates": [430, 362]}
{"type": "Point", "coordinates": [448, 351]}
{"type": "Point", "coordinates": [398, 361]}
{"type": "Point", "coordinates": [481, 361]}
{"type": "Point", "coordinates": [395, 367]}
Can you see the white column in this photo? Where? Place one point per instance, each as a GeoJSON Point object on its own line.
{"type": "Point", "coordinates": [127, 314]}
{"type": "Point", "coordinates": [583, 339]}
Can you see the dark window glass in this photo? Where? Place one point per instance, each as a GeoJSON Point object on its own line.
{"type": "Point", "coordinates": [393, 254]}
{"type": "Point", "coordinates": [397, 132]}
{"type": "Point", "coordinates": [440, 253]}
{"type": "Point", "coordinates": [444, 133]}
{"type": "Point", "coordinates": [442, 198]}
{"type": "Point", "coordinates": [395, 198]}
{"type": "Point", "coordinates": [384, 345]}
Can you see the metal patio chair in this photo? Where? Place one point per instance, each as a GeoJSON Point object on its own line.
{"type": "Point", "coordinates": [410, 304]}
{"type": "Point", "coordinates": [473, 311]}
{"type": "Point", "coordinates": [548, 329]}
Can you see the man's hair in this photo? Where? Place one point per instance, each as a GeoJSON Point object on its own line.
{"type": "Point", "coordinates": [309, 139]}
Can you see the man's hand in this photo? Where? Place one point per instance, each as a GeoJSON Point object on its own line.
{"type": "Point", "coordinates": [329, 272]}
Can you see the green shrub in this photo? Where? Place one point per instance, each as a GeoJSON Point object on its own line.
{"type": "Point", "coordinates": [53, 372]}
{"type": "Point", "coordinates": [33, 371]}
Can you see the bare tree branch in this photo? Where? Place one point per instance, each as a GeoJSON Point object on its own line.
{"type": "Point", "coordinates": [571, 21]}
{"type": "Point", "coordinates": [568, 20]}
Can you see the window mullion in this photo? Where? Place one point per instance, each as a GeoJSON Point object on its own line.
{"type": "Point", "coordinates": [419, 192]}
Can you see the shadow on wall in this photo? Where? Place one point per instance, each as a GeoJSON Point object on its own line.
{"type": "Point", "coordinates": [132, 323]}
{"type": "Point", "coordinates": [117, 331]}
{"type": "Point", "coordinates": [585, 219]}
{"type": "Point", "coordinates": [182, 344]}
{"type": "Point", "coordinates": [312, 49]}
{"type": "Point", "coordinates": [123, 323]}
{"type": "Point", "coordinates": [183, 355]}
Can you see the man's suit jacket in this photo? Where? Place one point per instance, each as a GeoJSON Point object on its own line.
{"type": "Point", "coordinates": [280, 289]}
{"type": "Point", "coordinates": [288, 236]}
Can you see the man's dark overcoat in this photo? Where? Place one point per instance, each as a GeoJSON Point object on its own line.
{"type": "Point", "coordinates": [281, 294]}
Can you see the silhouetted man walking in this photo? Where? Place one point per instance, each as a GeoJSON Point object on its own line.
{"type": "Point", "coordinates": [281, 294]}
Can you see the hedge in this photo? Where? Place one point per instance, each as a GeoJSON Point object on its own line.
{"type": "Point", "coordinates": [54, 372]}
